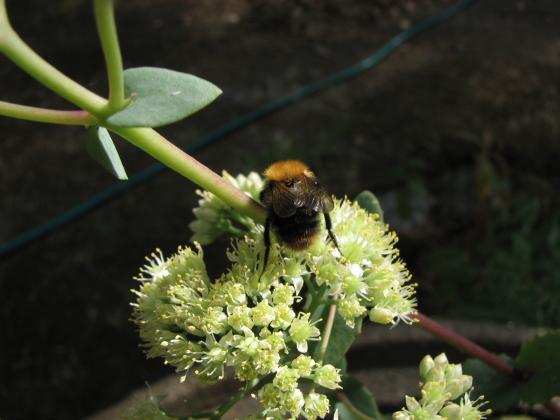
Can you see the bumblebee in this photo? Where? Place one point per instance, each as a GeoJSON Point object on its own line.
{"type": "Point", "coordinates": [294, 200]}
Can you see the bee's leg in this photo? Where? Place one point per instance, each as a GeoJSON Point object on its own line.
{"type": "Point", "coordinates": [328, 225]}
{"type": "Point", "coordinates": [266, 243]}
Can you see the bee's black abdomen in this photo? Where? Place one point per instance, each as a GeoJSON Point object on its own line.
{"type": "Point", "coordinates": [297, 231]}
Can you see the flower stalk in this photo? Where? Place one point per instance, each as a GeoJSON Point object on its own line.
{"type": "Point", "coordinates": [107, 30]}
{"type": "Point", "coordinates": [44, 115]}
{"type": "Point", "coordinates": [327, 330]}
{"type": "Point", "coordinates": [166, 152]}
{"type": "Point", "coordinates": [3, 17]}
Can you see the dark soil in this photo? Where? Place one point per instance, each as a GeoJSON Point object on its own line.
{"type": "Point", "coordinates": [457, 133]}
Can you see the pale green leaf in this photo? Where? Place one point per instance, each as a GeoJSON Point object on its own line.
{"type": "Point", "coordinates": [101, 148]}
{"type": "Point", "coordinates": [161, 96]}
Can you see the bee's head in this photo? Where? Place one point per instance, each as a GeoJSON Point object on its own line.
{"type": "Point", "coordinates": [288, 172]}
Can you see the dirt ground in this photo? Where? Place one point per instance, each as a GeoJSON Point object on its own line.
{"type": "Point", "coordinates": [484, 88]}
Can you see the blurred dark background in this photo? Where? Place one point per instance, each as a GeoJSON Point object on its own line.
{"type": "Point", "coordinates": [457, 133]}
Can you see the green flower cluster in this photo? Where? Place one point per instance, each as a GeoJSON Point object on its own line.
{"type": "Point", "coordinates": [283, 396]}
{"type": "Point", "coordinates": [366, 274]}
{"type": "Point", "coordinates": [215, 218]}
{"type": "Point", "coordinates": [243, 320]}
{"type": "Point", "coordinates": [368, 277]}
{"type": "Point", "coordinates": [445, 394]}
{"type": "Point", "coordinates": [247, 319]}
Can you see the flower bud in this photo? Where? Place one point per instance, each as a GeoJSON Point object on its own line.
{"type": "Point", "coordinates": [453, 371]}
{"type": "Point", "coordinates": [467, 381]}
{"type": "Point", "coordinates": [381, 315]}
{"type": "Point", "coordinates": [455, 388]}
{"type": "Point", "coordinates": [411, 403]}
{"type": "Point", "coordinates": [441, 360]}
{"type": "Point", "coordinates": [434, 392]}
{"type": "Point", "coordinates": [402, 415]}
{"type": "Point", "coordinates": [426, 365]}
{"type": "Point", "coordinates": [452, 412]}
{"type": "Point", "coordinates": [436, 374]}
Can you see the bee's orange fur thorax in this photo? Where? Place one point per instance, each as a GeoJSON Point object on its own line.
{"type": "Point", "coordinates": [287, 169]}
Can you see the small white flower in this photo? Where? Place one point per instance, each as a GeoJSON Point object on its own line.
{"type": "Point", "coordinates": [156, 268]}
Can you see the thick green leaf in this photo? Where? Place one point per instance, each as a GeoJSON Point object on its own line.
{"type": "Point", "coordinates": [101, 148]}
{"type": "Point", "coordinates": [539, 358]}
{"type": "Point", "coordinates": [162, 96]}
{"type": "Point", "coordinates": [502, 392]}
{"type": "Point", "coordinates": [360, 398]}
{"type": "Point", "coordinates": [368, 201]}
{"type": "Point", "coordinates": [342, 337]}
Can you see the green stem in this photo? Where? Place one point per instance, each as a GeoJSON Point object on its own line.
{"type": "Point", "coordinates": [107, 30]}
{"type": "Point", "coordinates": [145, 138]}
{"type": "Point", "coordinates": [325, 337]}
{"type": "Point", "coordinates": [166, 152]}
{"type": "Point", "coordinates": [29, 61]}
{"type": "Point", "coordinates": [53, 116]}
{"type": "Point", "coordinates": [3, 17]}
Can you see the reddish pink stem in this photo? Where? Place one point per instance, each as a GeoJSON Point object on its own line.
{"type": "Point", "coordinates": [463, 344]}
{"type": "Point", "coordinates": [475, 350]}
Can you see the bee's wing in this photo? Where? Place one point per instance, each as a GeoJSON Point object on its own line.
{"type": "Point", "coordinates": [284, 202]}
{"type": "Point", "coordinates": [316, 197]}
